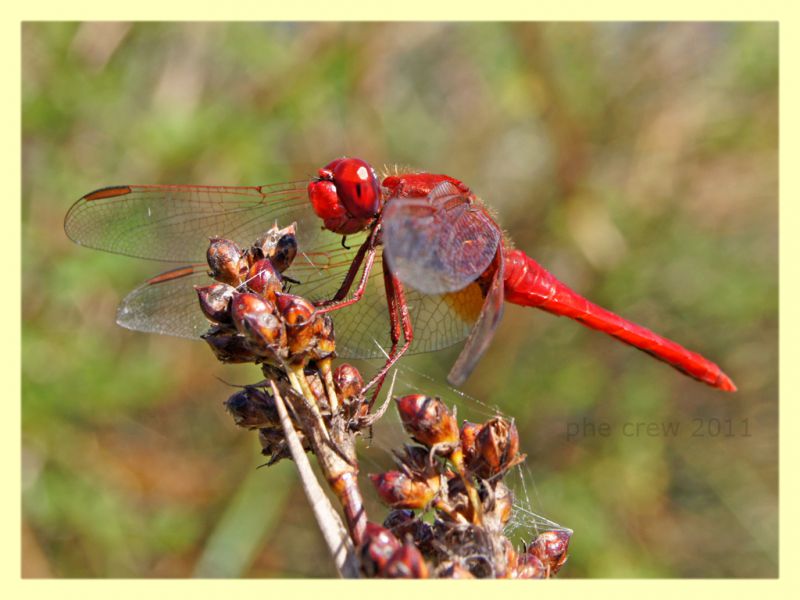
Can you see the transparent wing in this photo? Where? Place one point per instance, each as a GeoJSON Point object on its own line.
{"type": "Point", "coordinates": [173, 222]}
{"type": "Point", "coordinates": [481, 335]}
{"type": "Point", "coordinates": [167, 304]}
{"type": "Point", "coordinates": [438, 320]}
{"type": "Point", "coordinates": [440, 243]}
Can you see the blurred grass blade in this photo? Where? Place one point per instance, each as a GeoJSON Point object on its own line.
{"type": "Point", "coordinates": [247, 522]}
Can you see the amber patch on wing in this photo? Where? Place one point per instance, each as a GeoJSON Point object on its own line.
{"type": "Point", "coordinates": [466, 303]}
{"type": "Point", "coordinates": [109, 192]}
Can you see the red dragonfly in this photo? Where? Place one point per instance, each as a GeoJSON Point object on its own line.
{"type": "Point", "coordinates": [434, 265]}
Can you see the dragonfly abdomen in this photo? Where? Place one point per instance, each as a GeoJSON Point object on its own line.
{"type": "Point", "coordinates": [527, 283]}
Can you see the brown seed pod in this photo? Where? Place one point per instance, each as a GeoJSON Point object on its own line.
{"type": "Point", "coordinates": [278, 245]}
{"type": "Point", "coordinates": [273, 444]}
{"type": "Point", "coordinates": [398, 490]}
{"type": "Point", "coordinates": [325, 343]}
{"type": "Point", "coordinates": [405, 525]}
{"type": "Point", "coordinates": [254, 319]}
{"type": "Point", "coordinates": [252, 408]}
{"type": "Point", "coordinates": [416, 460]}
{"type": "Point", "coordinates": [229, 346]}
{"type": "Point", "coordinates": [529, 567]}
{"type": "Point", "coordinates": [406, 563]}
{"type": "Point", "coordinates": [468, 435]}
{"type": "Point", "coordinates": [427, 420]}
{"type": "Point", "coordinates": [377, 549]}
{"type": "Point", "coordinates": [297, 314]}
{"type": "Point", "coordinates": [551, 548]}
{"type": "Point", "coordinates": [264, 279]}
{"type": "Point", "coordinates": [215, 301]}
{"type": "Point", "coordinates": [348, 382]}
{"type": "Point", "coordinates": [247, 304]}
{"type": "Point", "coordinates": [284, 252]}
{"type": "Point", "coordinates": [497, 445]}
{"type": "Point", "coordinates": [225, 260]}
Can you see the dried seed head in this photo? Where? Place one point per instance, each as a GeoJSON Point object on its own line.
{"type": "Point", "coordinates": [254, 319]}
{"type": "Point", "coordinates": [325, 343]}
{"type": "Point", "coordinates": [405, 525]}
{"type": "Point", "coordinates": [551, 548]}
{"type": "Point", "coordinates": [407, 563]}
{"type": "Point", "coordinates": [497, 445]}
{"type": "Point", "coordinates": [297, 314]}
{"type": "Point", "coordinates": [399, 518]}
{"type": "Point", "coordinates": [215, 301]}
{"type": "Point", "coordinates": [273, 444]}
{"type": "Point", "coordinates": [253, 408]}
{"type": "Point", "coordinates": [398, 490]}
{"type": "Point", "coordinates": [264, 279]}
{"type": "Point", "coordinates": [247, 304]}
{"type": "Point", "coordinates": [295, 310]}
{"type": "Point", "coordinates": [278, 245]}
{"type": "Point", "coordinates": [427, 420]}
{"type": "Point", "coordinates": [228, 346]}
{"type": "Point", "coordinates": [348, 382]}
{"type": "Point", "coordinates": [417, 460]}
{"type": "Point", "coordinates": [467, 435]}
{"type": "Point", "coordinates": [529, 567]}
{"type": "Point", "coordinates": [226, 261]}
{"type": "Point", "coordinates": [377, 549]}
{"type": "Point", "coordinates": [284, 252]}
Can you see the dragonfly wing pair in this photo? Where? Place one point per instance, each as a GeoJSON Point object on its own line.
{"type": "Point", "coordinates": [174, 223]}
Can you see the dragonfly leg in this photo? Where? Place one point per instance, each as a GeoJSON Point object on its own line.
{"type": "Point", "coordinates": [365, 255]}
{"type": "Point", "coordinates": [400, 325]}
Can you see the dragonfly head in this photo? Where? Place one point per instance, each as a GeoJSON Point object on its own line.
{"type": "Point", "coordinates": [346, 195]}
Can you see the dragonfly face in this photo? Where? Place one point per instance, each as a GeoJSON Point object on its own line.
{"type": "Point", "coordinates": [346, 195]}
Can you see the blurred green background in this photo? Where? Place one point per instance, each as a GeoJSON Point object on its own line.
{"type": "Point", "coordinates": [638, 162]}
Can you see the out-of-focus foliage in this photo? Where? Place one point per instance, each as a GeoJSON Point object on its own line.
{"type": "Point", "coordinates": [637, 161]}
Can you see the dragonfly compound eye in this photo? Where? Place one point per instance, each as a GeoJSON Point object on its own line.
{"type": "Point", "coordinates": [358, 187]}
{"type": "Point", "coordinates": [346, 195]}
